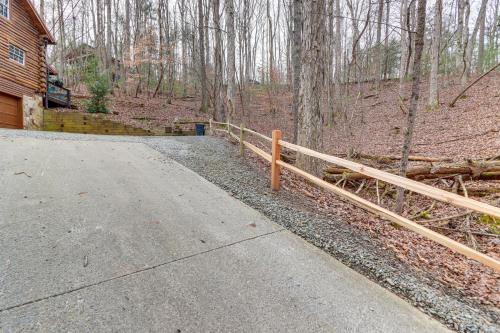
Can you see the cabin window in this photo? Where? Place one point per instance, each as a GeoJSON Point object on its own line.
{"type": "Point", "coordinates": [4, 8]}
{"type": "Point", "coordinates": [16, 54]}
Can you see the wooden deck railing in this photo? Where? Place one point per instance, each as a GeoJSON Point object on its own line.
{"type": "Point", "coordinates": [59, 95]}
{"type": "Point", "coordinates": [276, 163]}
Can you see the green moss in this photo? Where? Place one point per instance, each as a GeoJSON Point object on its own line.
{"type": "Point", "coordinates": [492, 223]}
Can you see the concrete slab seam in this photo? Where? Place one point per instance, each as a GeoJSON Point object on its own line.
{"type": "Point", "coordinates": [136, 272]}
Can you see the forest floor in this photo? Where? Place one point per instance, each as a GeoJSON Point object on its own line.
{"type": "Point", "coordinates": [373, 124]}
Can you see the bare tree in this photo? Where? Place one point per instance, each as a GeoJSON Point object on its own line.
{"type": "Point", "coordinates": [404, 15]}
{"type": "Point", "coordinates": [231, 61]}
{"type": "Point", "coordinates": [203, 70]}
{"type": "Point", "coordinates": [296, 60]}
{"type": "Point", "coordinates": [415, 93]}
{"type": "Point", "coordinates": [435, 51]}
{"type": "Point", "coordinates": [218, 107]}
{"type": "Point", "coordinates": [471, 43]}
{"type": "Point", "coordinates": [378, 60]}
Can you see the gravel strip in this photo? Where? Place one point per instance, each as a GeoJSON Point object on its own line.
{"type": "Point", "coordinates": [219, 162]}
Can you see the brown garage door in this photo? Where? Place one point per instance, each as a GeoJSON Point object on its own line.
{"type": "Point", "coordinates": [10, 112]}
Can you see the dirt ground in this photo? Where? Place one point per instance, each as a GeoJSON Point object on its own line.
{"type": "Point", "coordinates": [374, 125]}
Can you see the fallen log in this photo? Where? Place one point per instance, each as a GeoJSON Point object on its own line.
{"type": "Point", "coordinates": [469, 170]}
{"type": "Point", "coordinates": [289, 157]}
{"type": "Point", "coordinates": [387, 159]}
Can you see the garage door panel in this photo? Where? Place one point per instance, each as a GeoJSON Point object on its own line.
{"type": "Point", "coordinates": [9, 109]}
{"type": "Point", "coordinates": [12, 101]}
{"type": "Point", "coordinates": [10, 112]}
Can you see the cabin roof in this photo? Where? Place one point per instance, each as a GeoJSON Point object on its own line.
{"type": "Point", "coordinates": [38, 21]}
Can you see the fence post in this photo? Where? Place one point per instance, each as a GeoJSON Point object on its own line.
{"type": "Point", "coordinates": [210, 126]}
{"type": "Point", "coordinates": [275, 168]}
{"type": "Point", "coordinates": [242, 137]}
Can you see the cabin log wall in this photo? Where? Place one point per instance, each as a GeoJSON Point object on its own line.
{"type": "Point", "coordinates": [19, 30]}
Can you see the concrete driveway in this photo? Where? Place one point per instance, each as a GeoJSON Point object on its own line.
{"type": "Point", "coordinates": [112, 236]}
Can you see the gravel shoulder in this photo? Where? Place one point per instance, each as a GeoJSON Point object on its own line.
{"type": "Point", "coordinates": [219, 162]}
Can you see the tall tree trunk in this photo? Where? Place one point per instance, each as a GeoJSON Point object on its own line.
{"type": "Point", "coordinates": [472, 41]}
{"type": "Point", "coordinates": [161, 51]}
{"type": "Point", "coordinates": [378, 60]}
{"type": "Point", "coordinates": [386, 41]}
{"type": "Point", "coordinates": [109, 47]}
{"type": "Point", "coordinates": [404, 45]}
{"type": "Point", "coordinates": [415, 93]}
{"type": "Point", "coordinates": [247, 36]}
{"type": "Point", "coordinates": [184, 47]}
{"type": "Point", "coordinates": [126, 46]}
{"type": "Point", "coordinates": [331, 44]}
{"type": "Point", "coordinates": [62, 39]}
{"type": "Point", "coordinates": [270, 42]}
{"type": "Point", "coordinates": [311, 78]}
{"type": "Point", "coordinates": [480, 53]}
{"type": "Point", "coordinates": [203, 70]}
{"type": "Point", "coordinates": [435, 50]}
{"type": "Point", "coordinates": [459, 34]}
{"type": "Point", "coordinates": [338, 59]}
{"type": "Point", "coordinates": [218, 107]}
{"type": "Point", "coordinates": [100, 35]}
{"type": "Point", "coordinates": [296, 60]}
{"type": "Point", "coordinates": [231, 58]}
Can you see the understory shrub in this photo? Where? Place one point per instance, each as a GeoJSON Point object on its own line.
{"type": "Point", "coordinates": [98, 87]}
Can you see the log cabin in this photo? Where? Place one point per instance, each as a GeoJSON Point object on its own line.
{"type": "Point", "coordinates": [23, 69]}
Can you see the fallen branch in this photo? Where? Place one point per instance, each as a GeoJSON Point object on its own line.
{"type": "Point", "coordinates": [493, 130]}
{"type": "Point", "coordinates": [464, 231]}
{"type": "Point", "coordinates": [446, 218]}
{"type": "Point", "coordinates": [386, 159]}
{"type": "Point", "coordinates": [452, 104]}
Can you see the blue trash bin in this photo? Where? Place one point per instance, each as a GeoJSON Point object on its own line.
{"type": "Point", "coordinates": [200, 129]}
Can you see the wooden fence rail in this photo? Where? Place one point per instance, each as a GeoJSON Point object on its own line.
{"type": "Point", "coordinates": [403, 182]}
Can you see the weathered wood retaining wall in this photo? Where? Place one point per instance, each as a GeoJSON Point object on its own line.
{"type": "Point", "coordinates": [87, 123]}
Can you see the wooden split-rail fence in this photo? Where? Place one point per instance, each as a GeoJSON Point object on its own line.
{"type": "Point", "coordinates": [276, 164]}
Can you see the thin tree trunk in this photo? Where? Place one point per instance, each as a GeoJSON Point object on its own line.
{"type": "Point", "coordinates": [160, 35]}
{"type": "Point", "coordinates": [108, 36]}
{"type": "Point", "coordinates": [415, 93]}
{"type": "Point", "coordinates": [378, 61]}
{"type": "Point", "coordinates": [296, 60]}
{"type": "Point", "coordinates": [126, 46]}
{"type": "Point", "coordinates": [471, 43]}
{"type": "Point", "coordinates": [218, 107]}
{"type": "Point", "coordinates": [62, 39]}
{"type": "Point", "coordinates": [459, 35]}
{"type": "Point", "coordinates": [404, 45]}
{"type": "Point", "coordinates": [386, 41]}
{"type": "Point", "coordinates": [338, 60]}
{"type": "Point", "coordinates": [184, 47]}
{"type": "Point", "coordinates": [270, 43]}
{"type": "Point", "coordinates": [435, 51]}
{"type": "Point", "coordinates": [203, 71]}
{"type": "Point", "coordinates": [331, 44]}
{"type": "Point", "coordinates": [231, 59]}
{"type": "Point", "coordinates": [480, 53]}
